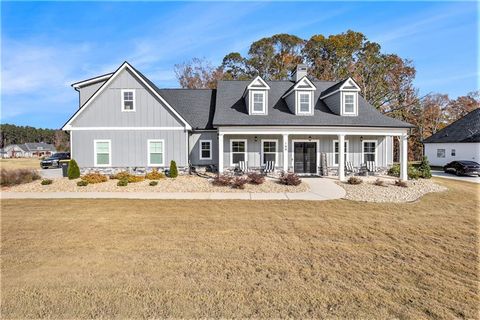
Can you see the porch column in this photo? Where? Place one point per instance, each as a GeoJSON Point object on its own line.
{"type": "Point", "coordinates": [341, 157]}
{"type": "Point", "coordinates": [285, 152]}
{"type": "Point", "coordinates": [220, 153]}
{"type": "Point", "coordinates": [404, 158]}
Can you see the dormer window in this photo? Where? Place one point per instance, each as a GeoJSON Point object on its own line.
{"type": "Point", "coordinates": [258, 100]}
{"type": "Point", "coordinates": [349, 103]}
{"type": "Point", "coordinates": [256, 97]}
{"type": "Point", "coordinates": [299, 98]}
{"type": "Point", "coordinates": [342, 98]}
{"type": "Point", "coordinates": [128, 100]}
{"type": "Point", "coordinates": [304, 102]}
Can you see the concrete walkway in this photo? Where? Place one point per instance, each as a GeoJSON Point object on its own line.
{"type": "Point", "coordinates": [441, 174]}
{"type": "Point", "coordinates": [320, 189]}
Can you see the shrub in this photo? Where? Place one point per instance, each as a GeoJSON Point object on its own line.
{"type": "Point", "coordinates": [154, 175]}
{"type": "Point", "coordinates": [122, 183]}
{"type": "Point", "coordinates": [255, 178]}
{"type": "Point", "coordinates": [94, 178]}
{"type": "Point", "coordinates": [82, 183]}
{"type": "Point", "coordinates": [17, 176]}
{"type": "Point", "coordinates": [290, 179]}
{"type": "Point", "coordinates": [400, 183]}
{"type": "Point", "coordinates": [121, 175]}
{"type": "Point", "coordinates": [380, 183]}
{"type": "Point", "coordinates": [221, 180]}
{"type": "Point", "coordinates": [413, 173]}
{"type": "Point", "coordinates": [153, 183]}
{"type": "Point", "coordinates": [424, 168]}
{"type": "Point", "coordinates": [239, 183]}
{"type": "Point", "coordinates": [354, 180]}
{"type": "Point", "coordinates": [173, 169]}
{"type": "Point", "coordinates": [73, 171]}
{"type": "Point", "coordinates": [394, 170]}
{"type": "Point", "coordinates": [134, 179]}
{"type": "Point", "coordinates": [46, 182]}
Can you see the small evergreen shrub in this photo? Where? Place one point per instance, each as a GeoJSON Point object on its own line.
{"type": "Point", "coordinates": [239, 183]}
{"type": "Point", "coordinates": [46, 182]}
{"type": "Point", "coordinates": [400, 183]}
{"type": "Point", "coordinates": [221, 180]}
{"type": "Point", "coordinates": [256, 178]}
{"type": "Point", "coordinates": [354, 180]}
{"type": "Point", "coordinates": [394, 170]}
{"type": "Point", "coordinates": [413, 173]}
{"type": "Point", "coordinates": [173, 169]}
{"type": "Point", "coordinates": [17, 176]}
{"type": "Point", "coordinates": [424, 168]}
{"type": "Point", "coordinates": [154, 175]}
{"type": "Point", "coordinates": [380, 183]}
{"type": "Point", "coordinates": [290, 179]}
{"type": "Point", "coordinates": [122, 183]}
{"type": "Point", "coordinates": [94, 178]}
{"type": "Point", "coordinates": [153, 183]}
{"type": "Point", "coordinates": [73, 171]}
{"type": "Point", "coordinates": [82, 183]}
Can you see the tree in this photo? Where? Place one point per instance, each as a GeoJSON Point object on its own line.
{"type": "Point", "coordinates": [73, 171]}
{"type": "Point", "coordinates": [197, 74]}
{"type": "Point", "coordinates": [235, 67]}
{"type": "Point", "coordinates": [173, 169]}
{"type": "Point", "coordinates": [459, 107]}
{"type": "Point", "coordinates": [12, 134]}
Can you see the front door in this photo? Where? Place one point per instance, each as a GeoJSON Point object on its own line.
{"type": "Point", "coordinates": [305, 157]}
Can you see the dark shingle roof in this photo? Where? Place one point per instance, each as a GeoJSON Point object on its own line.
{"type": "Point", "coordinates": [333, 88]}
{"type": "Point", "coordinates": [231, 109]}
{"type": "Point", "coordinates": [33, 146]}
{"type": "Point", "coordinates": [466, 129]}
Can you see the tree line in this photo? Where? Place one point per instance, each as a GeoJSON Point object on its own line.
{"type": "Point", "coordinates": [12, 134]}
{"type": "Point", "coordinates": [386, 79]}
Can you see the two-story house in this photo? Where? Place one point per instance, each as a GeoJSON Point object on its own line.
{"type": "Point", "coordinates": [124, 120]}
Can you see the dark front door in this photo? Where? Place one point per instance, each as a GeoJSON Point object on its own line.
{"type": "Point", "coordinates": [305, 157]}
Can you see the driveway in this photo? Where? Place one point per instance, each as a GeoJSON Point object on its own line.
{"type": "Point", "coordinates": [50, 173]}
{"type": "Point", "coordinates": [441, 174]}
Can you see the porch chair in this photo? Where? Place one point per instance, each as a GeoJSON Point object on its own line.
{"type": "Point", "coordinates": [349, 169]}
{"type": "Point", "coordinates": [242, 167]}
{"type": "Point", "coordinates": [371, 167]}
{"type": "Point", "coordinates": [269, 167]}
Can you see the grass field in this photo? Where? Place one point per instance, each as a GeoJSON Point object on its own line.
{"type": "Point", "coordinates": [334, 259]}
{"type": "Point", "coordinates": [20, 163]}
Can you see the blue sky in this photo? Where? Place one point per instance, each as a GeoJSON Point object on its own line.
{"type": "Point", "coordinates": [46, 46]}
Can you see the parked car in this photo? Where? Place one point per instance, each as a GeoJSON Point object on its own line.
{"type": "Point", "coordinates": [53, 161]}
{"type": "Point", "coordinates": [462, 167]}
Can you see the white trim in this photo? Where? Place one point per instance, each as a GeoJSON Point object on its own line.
{"type": "Point", "coordinates": [259, 79]}
{"type": "Point", "coordinates": [292, 159]}
{"type": "Point", "coordinates": [95, 162]}
{"type": "Point", "coordinates": [123, 128]}
{"type": "Point", "coordinates": [163, 153]}
{"type": "Point", "coordinates": [346, 153]}
{"type": "Point", "coordinates": [342, 88]}
{"type": "Point", "coordinates": [252, 102]}
{"type": "Point", "coordinates": [71, 146]}
{"type": "Point", "coordinates": [90, 81]}
{"type": "Point", "coordinates": [200, 149]}
{"type": "Point", "coordinates": [304, 79]}
{"type": "Point", "coordinates": [231, 150]}
{"type": "Point", "coordinates": [106, 84]}
{"type": "Point", "coordinates": [123, 100]}
{"type": "Point", "coordinates": [297, 103]}
{"type": "Point", "coordinates": [262, 152]}
{"type": "Point", "coordinates": [220, 153]}
{"type": "Point", "coordinates": [376, 152]}
{"type": "Point", "coordinates": [311, 130]}
{"type": "Point", "coordinates": [355, 104]}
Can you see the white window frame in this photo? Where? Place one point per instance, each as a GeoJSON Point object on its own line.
{"type": "Point", "coordinates": [109, 164]}
{"type": "Point", "coordinates": [309, 93]}
{"type": "Point", "coordinates": [347, 143]}
{"type": "Point", "coordinates": [209, 148]}
{"type": "Point", "coordinates": [444, 153]}
{"type": "Point", "coordinates": [376, 150]}
{"type": "Point", "coordinates": [163, 153]}
{"type": "Point", "coordinates": [252, 102]}
{"type": "Point", "coordinates": [123, 100]}
{"type": "Point", "coordinates": [263, 152]}
{"type": "Point", "coordinates": [231, 150]}
{"type": "Point", "coordinates": [355, 103]}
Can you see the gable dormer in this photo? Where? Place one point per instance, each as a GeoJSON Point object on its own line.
{"type": "Point", "coordinates": [342, 98]}
{"type": "Point", "coordinates": [256, 97]}
{"type": "Point", "coordinates": [300, 98]}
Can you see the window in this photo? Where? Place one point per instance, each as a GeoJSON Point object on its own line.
{"type": "Point", "coordinates": [349, 103]}
{"type": "Point", "coordinates": [258, 99]}
{"type": "Point", "coordinates": [335, 152]}
{"type": "Point", "coordinates": [269, 151]}
{"type": "Point", "coordinates": [238, 151]}
{"type": "Point", "coordinates": [440, 153]}
{"type": "Point", "coordinates": [128, 100]}
{"type": "Point", "coordinates": [156, 150]}
{"type": "Point", "coordinates": [304, 102]}
{"type": "Point", "coordinates": [102, 153]}
{"type": "Point", "coordinates": [369, 150]}
{"type": "Point", "coordinates": [205, 149]}
{"type": "Point", "coordinates": [453, 153]}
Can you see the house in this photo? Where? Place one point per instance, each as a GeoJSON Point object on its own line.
{"type": "Point", "coordinates": [28, 150]}
{"type": "Point", "coordinates": [124, 120]}
{"type": "Point", "coordinates": [457, 141]}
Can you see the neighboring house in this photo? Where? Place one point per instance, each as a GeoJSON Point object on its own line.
{"type": "Point", "coordinates": [457, 141]}
{"type": "Point", "coordinates": [28, 150]}
{"type": "Point", "coordinates": [124, 120]}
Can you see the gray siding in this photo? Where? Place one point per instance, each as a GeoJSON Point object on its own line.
{"type": "Point", "coordinates": [106, 109]}
{"type": "Point", "coordinates": [253, 149]}
{"type": "Point", "coordinates": [333, 103]}
{"type": "Point", "coordinates": [88, 91]}
{"type": "Point", "coordinates": [194, 147]}
{"type": "Point", "coordinates": [290, 101]}
{"type": "Point", "coordinates": [129, 148]}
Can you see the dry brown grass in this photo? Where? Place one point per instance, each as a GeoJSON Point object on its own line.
{"type": "Point", "coordinates": [335, 259]}
{"type": "Point", "coordinates": [20, 163]}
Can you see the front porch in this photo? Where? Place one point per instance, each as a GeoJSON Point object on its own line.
{"type": "Point", "coordinates": [311, 151]}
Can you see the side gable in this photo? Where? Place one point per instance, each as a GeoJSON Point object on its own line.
{"type": "Point", "coordinates": [103, 108]}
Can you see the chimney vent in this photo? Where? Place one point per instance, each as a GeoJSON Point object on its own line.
{"type": "Point", "coordinates": [299, 72]}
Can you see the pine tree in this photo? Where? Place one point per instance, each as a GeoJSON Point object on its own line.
{"type": "Point", "coordinates": [173, 169]}
{"type": "Point", "coordinates": [73, 170]}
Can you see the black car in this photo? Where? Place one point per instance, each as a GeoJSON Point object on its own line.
{"type": "Point", "coordinates": [53, 161]}
{"type": "Point", "coordinates": [462, 167]}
